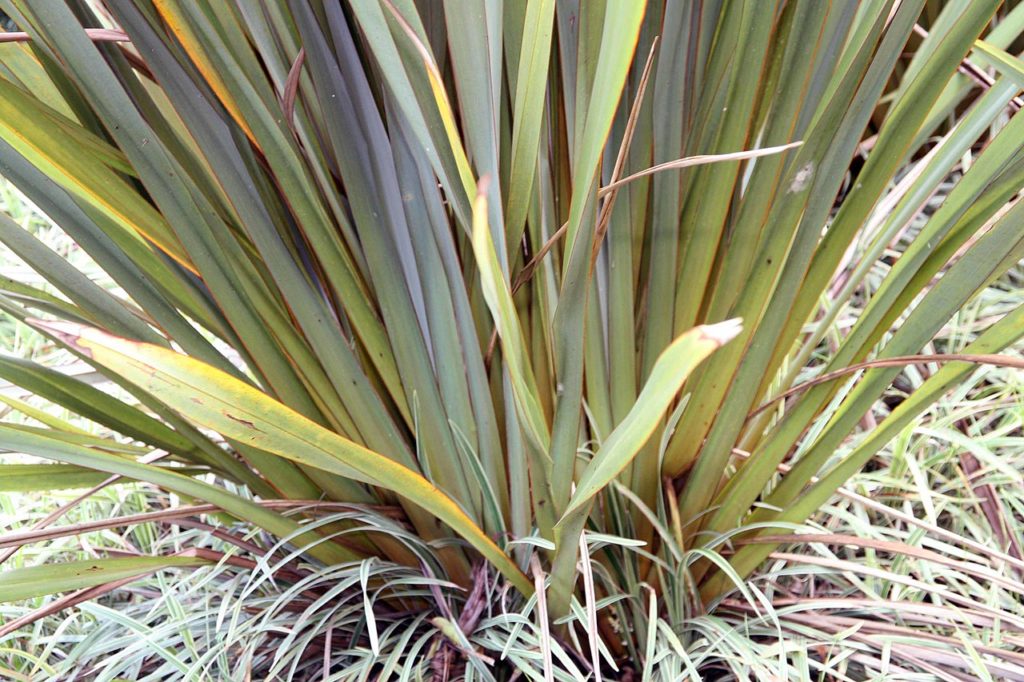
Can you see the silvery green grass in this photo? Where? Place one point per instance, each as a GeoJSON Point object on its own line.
{"type": "Point", "coordinates": [497, 338]}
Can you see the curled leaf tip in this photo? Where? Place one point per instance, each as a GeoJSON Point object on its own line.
{"type": "Point", "coordinates": [723, 332]}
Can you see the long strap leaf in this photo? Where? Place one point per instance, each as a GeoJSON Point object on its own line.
{"type": "Point", "coordinates": [37, 581]}
{"type": "Point", "coordinates": [218, 401]}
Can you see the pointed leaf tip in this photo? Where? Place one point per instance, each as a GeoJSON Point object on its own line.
{"type": "Point", "coordinates": [723, 332]}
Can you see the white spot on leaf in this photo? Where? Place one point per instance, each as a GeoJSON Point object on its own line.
{"type": "Point", "coordinates": [803, 178]}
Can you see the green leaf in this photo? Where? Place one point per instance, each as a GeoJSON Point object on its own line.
{"type": "Point", "coordinates": [669, 373]}
{"type": "Point", "coordinates": [672, 368]}
{"type": "Point", "coordinates": [41, 416]}
{"type": "Point", "coordinates": [531, 81]}
{"type": "Point", "coordinates": [24, 478]}
{"type": "Point", "coordinates": [1003, 61]}
{"type": "Point", "coordinates": [47, 477]}
{"type": "Point", "coordinates": [617, 46]}
{"type": "Point", "coordinates": [92, 403]}
{"type": "Point", "coordinates": [37, 581]}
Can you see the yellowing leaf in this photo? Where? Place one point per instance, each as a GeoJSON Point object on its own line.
{"type": "Point", "coordinates": [178, 23]}
{"type": "Point", "coordinates": [68, 154]}
{"type": "Point", "coordinates": [228, 405]}
{"type": "Point", "coordinates": [499, 299]}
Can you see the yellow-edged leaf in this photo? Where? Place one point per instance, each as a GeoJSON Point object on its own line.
{"type": "Point", "coordinates": [67, 154]}
{"type": "Point", "coordinates": [172, 15]}
{"type": "Point", "coordinates": [221, 402]}
{"type": "Point", "coordinates": [499, 299]}
{"type": "Point", "coordinates": [444, 107]}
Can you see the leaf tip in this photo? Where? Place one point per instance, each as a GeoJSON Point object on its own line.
{"type": "Point", "coordinates": [723, 332]}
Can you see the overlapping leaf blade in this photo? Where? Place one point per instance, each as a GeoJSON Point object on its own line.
{"type": "Point", "coordinates": [379, 227]}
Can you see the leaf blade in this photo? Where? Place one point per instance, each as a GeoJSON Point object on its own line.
{"type": "Point", "coordinates": [38, 581]}
{"type": "Point", "coordinates": [239, 411]}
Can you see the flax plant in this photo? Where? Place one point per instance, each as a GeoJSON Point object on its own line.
{"type": "Point", "coordinates": [476, 263]}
